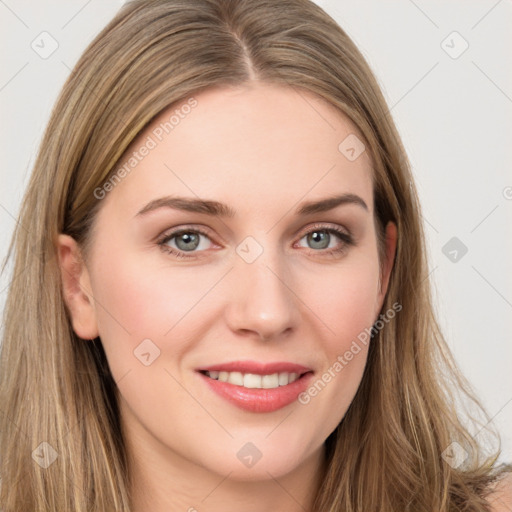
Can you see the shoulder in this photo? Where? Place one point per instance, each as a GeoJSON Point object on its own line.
{"type": "Point", "coordinates": [500, 498]}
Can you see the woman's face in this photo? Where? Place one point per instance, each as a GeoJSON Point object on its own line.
{"type": "Point", "coordinates": [267, 284]}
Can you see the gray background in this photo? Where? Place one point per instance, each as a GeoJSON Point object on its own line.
{"type": "Point", "coordinates": [453, 109]}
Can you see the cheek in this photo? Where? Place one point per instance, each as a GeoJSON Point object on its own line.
{"type": "Point", "coordinates": [347, 302]}
{"type": "Point", "coordinates": [135, 303]}
{"type": "Point", "coordinates": [347, 309]}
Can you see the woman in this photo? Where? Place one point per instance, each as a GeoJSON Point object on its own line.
{"type": "Point", "coordinates": [220, 298]}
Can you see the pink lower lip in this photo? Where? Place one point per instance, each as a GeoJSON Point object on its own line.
{"type": "Point", "coordinates": [259, 400]}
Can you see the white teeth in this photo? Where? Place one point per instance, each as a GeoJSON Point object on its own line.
{"type": "Point", "coordinates": [236, 378]}
{"type": "Point", "coordinates": [254, 381]}
{"type": "Point", "coordinates": [283, 379]}
{"type": "Point", "coordinates": [270, 381]}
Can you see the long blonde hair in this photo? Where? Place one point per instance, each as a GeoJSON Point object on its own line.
{"type": "Point", "coordinates": [387, 452]}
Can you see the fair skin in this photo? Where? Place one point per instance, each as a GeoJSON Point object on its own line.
{"type": "Point", "coordinates": [500, 499]}
{"type": "Point", "coordinates": [262, 150]}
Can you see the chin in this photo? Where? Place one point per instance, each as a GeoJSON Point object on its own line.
{"type": "Point", "coordinates": [259, 460]}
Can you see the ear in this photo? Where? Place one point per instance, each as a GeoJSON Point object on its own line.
{"type": "Point", "coordinates": [76, 287]}
{"type": "Point", "coordinates": [389, 259]}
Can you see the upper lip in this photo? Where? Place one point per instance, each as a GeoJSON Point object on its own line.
{"type": "Point", "coordinates": [257, 368]}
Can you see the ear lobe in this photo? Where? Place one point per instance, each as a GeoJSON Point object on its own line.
{"type": "Point", "coordinates": [387, 265]}
{"type": "Point", "coordinates": [76, 288]}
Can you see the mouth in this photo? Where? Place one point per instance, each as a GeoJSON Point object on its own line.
{"type": "Point", "coordinates": [253, 380]}
{"type": "Point", "coordinates": [257, 387]}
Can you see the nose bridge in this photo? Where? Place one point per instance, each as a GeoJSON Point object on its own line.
{"type": "Point", "coordinates": [262, 301]}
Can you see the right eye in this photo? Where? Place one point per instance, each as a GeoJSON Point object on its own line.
{"type": "Point", "coordinates": [183, 241]}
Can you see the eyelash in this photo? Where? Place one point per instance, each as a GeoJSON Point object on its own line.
{"type": "Point", "coordinates": [346, 239]}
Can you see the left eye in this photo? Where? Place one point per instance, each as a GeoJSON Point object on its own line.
{"type": "Point", "coordinates": [321, 238]}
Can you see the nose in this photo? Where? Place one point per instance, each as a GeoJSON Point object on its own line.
{"type": "Point", "coordinates": [261, 300]}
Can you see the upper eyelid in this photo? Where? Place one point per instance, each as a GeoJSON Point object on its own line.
{"type": "Point", "coordinates": [323, 225]}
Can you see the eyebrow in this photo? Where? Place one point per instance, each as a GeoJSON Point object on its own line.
{"type": "Point", "coordinates": [217, 209]}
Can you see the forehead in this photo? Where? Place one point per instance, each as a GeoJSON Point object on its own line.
{"type": "Point", "coordinates": [252, 146]}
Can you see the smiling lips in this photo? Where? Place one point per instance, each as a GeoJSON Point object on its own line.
{"type": "Point", "coordinates": [257, 387]}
